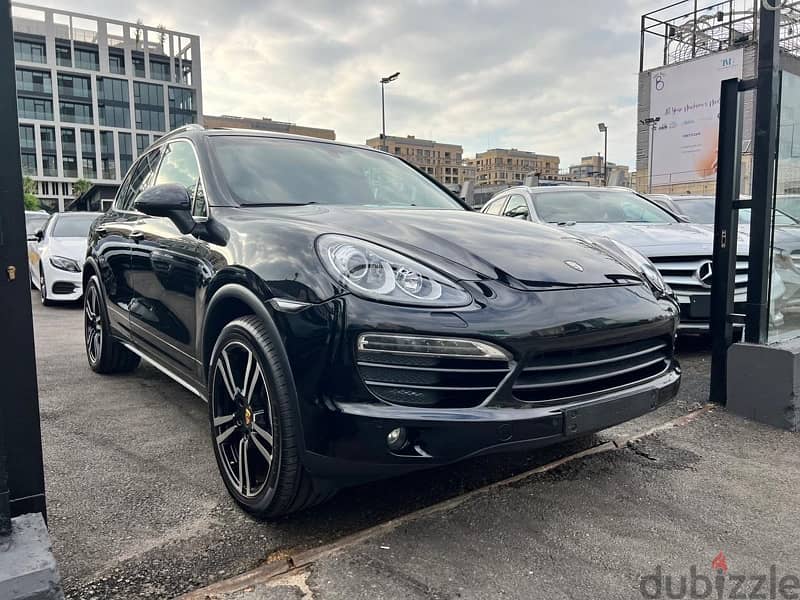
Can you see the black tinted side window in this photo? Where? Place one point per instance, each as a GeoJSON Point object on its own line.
{"type": "Point", "coordinates": [139, 179]}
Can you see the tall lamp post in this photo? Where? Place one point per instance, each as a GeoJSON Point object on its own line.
{"type": "Point", "coordinates": [604, 130]}
{"type": "Point", "coordinates": [384, 81]}
{"type": "Point", "coordinates": [651, 123]}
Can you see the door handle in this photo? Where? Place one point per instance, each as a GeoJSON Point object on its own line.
{"type": "Point", "coordinates": [137, 236]}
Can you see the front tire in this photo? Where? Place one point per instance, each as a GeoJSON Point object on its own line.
{"type": "Point", "coordinates": [43, 289]}
{"type": "Point", "coordinates": [254, 426]}
{"type": "Point", "coordinates": [105, 354]}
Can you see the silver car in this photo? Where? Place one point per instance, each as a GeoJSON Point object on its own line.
{"type": "Point", "coordinates": [786, 241]}
{"type": "Point", "coordinates": [681, 251]}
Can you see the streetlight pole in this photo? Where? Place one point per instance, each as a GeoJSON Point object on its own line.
{"type": "Point", "coordinates": [384, 81]}
{"type": "Point", "coordinates": [651, 123]}
{"type": "Point", "coordinates": [604, 130]}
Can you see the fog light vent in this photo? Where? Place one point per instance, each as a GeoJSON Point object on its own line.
{"type": "Point", "coordinates": [430, 372]}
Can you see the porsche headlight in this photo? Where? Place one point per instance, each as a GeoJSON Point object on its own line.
{"type": "Point", "coordinates": [65, 264]}
{"type": "Point", "coordinates": [640, 263]}
{"type": "Point", "coordinates": [377, 273]}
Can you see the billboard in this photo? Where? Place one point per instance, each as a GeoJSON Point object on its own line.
{"type": "Point", "coordinates": [686, 98]}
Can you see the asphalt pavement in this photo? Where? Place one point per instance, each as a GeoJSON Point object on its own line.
{"type": "Point", "coordinates": [703, 510]}
{"type": "Point", "coordinates": [137, 508]}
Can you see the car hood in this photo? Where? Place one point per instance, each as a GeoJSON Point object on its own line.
{"type": "Point", "coordinates": [654, 239]}
{"type": "Point", "coordinates": [74, 248]}
{"type": "Point", "coordinates": [522, 254]}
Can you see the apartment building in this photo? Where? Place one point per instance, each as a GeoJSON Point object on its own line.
{"type": "Point", "coordinates": [93, 93]}
{"type": "Point", "coordinates": [592, 170]}
{"type": "Point", "coordinates": [509, 167]}
{"type": "Point", "coordinates": [443, 162]}
{"type": "Point", "coordinates": [266, 124]}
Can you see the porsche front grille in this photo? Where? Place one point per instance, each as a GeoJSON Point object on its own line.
{"type": "Point", "coordinates": [551, 378]}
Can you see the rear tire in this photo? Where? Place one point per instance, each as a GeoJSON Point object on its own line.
{"type": "Point", "coordinates": [105, 354]}
{"type": "Point", "coordinates": [254, 427]}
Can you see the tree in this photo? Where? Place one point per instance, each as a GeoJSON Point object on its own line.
{"type": "Point", "coordinates": [80, 187]}
{"type": "Point", "coordinates": [29, 194]}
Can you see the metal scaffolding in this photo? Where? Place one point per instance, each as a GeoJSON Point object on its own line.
{"type": "Point", "coordinates": [684, 30]}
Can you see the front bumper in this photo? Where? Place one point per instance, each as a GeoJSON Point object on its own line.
{"type": "Point", "coordinates": [63, 286]}
{"type": "Point", "coordinates": [464, 433]}
{"type": "Point", "coordinates": [345, 424]}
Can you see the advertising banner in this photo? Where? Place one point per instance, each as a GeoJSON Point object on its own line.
{"type": "Point", "coordinates": [686, 99]}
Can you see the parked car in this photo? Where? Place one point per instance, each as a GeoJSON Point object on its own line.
{"type": "Point", "coordinates": [681, 252]}
{"type": "Point", "coordinates": [34, 221]}
{"type": "Point", "coordinates": [348, 319]}
{"type": "Point", "coordinates": [785, 290]}
{"type": "Point", "coordinates": [56, 256]}
{"type": "Point", "coordinates": [664, 201]}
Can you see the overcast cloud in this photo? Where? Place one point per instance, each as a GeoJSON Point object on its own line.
{"type": "Point", "coordinates": [530, 74]}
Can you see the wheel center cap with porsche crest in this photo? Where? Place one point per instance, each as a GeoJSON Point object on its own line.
{"type": "Point", "coordinates": [574, 265]}
{"type": "Point", "coordinates": [704, 274]}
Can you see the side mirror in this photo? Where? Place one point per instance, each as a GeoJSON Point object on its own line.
{"type": "Point", "coordinates": [168, 200]}
{"type": "Point", "coordinates": [37, 236]}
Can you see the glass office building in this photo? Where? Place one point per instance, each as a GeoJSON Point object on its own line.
{"type": "Point", "coordinates": [93, 93]}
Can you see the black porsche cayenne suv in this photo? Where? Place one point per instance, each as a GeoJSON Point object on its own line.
{"type": "Point", "coordinates": [347, 319]}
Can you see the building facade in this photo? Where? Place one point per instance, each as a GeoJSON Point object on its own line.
{"type": "Point", "coordinates": [592, 170]}
{"type": "Point", "coordinates": [510, 167]}
{"type": "Point", "coordinates": [444, 162]}
{"type": "Point", "coordinates": [93, 93]}
{"type": "Point", "coordinates": [266, 124]}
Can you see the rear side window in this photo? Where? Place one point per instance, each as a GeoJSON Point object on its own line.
{"type": "Point", "coordinates": [139, 179]}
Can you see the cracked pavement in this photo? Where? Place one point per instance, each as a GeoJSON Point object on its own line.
{"type": "Point", "coordinates": [594, 527]}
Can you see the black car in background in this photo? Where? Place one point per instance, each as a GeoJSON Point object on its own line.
{"type": "Point", "coordinates": [347, 319]}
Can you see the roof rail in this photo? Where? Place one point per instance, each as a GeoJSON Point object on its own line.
{"type": "Point", "coordinates": [187, 127]}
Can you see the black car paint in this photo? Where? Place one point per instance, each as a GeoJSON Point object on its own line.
{"type": "Point", "coordinates": [169, 293]}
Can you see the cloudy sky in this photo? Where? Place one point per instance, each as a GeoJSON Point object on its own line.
{"type": "Point", "coordinates": [530, 74]}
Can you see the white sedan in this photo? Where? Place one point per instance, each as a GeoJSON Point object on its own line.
{"type": "Point", "coordinates": [57, 255]}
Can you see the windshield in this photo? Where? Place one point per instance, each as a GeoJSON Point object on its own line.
{"type": "Point", "coordinates": [701, 210]}
{"type": "Point", "coordinates": [593, 206]}
{"type": "Point", "coordinates": [73, 226]}
{"type": "Point", "coordinates": [33, 223]}
{"type": "Point", "coordinates": [264, 171]}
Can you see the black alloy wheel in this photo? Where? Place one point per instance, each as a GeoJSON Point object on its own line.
{"type": "Point", "coordinates": [93, 323]}
{"type": "Point", "coordinates": [242, 419]}
{"type": "Point", "coordinates": [253, 420]}
{"type": "Point", "coordinates": [105, 354]}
